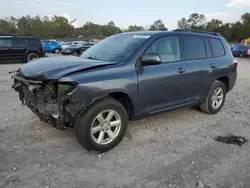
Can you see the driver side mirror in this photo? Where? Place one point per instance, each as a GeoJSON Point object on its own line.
{"type": "Point", "coordinates": [151, 59]}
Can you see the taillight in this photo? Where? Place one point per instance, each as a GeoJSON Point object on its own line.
{"type": "Point", "coordinates": [42, 49]}
{"type": "Point", "coordinates": [235, 64]}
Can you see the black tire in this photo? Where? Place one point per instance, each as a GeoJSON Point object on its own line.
{"type": "Point", "coordinates": [83, 124]}
{"type": "Point", "coordinates": [207, 107]}
{"type": "Point", "coordinates": [32, 56]}
{"type": "Point", "coordinates": [75, 54]}
{"type": "Point", "coordinates": [57, 51]}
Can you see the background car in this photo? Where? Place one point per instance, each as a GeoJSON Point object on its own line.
{"type": "Point", "coordinates": [20, 48]}
{"type": "Point", "coordinates": [52, 46]}
{"type": "Point", "coordinates": [78, 42]}
{"type": "Point", "coordinates": [76, 50]}
{"type": "Point", "coordinates": [65, 44]}
{"type": "Point", "coordinates": [240, 50]}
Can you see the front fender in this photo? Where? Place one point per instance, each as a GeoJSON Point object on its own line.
{"type": "Point", "coordinates": [78, 104]}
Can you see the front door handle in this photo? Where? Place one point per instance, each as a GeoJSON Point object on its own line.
{"type": "Point", "coordinates": [181, 70]}
{"type": "Point", "coordinates": [213, 65]}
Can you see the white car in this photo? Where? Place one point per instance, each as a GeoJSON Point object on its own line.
{"type": "Point", "coordinates": [66, 45]}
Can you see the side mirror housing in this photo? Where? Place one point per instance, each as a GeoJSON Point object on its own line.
{"type": "Point", "coordinates": [150, 59]}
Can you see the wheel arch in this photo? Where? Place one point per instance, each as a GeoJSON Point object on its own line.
{"type": "Point", "coordinates": [125, 100]}
{"type": "Point", "coordinates": [225, 81]}
{"type": "Point", "coordinates": [120, 96]}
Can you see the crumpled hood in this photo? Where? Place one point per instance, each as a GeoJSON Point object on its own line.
{"type": "Point", "coordinates": [55, 68]}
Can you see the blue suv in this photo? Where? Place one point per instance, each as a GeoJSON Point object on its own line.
{"type": "Point", "coordinates": [51, 46]}
{"type": "Point", "coordinates": [125, 77]}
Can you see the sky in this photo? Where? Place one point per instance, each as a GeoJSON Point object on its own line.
{"type": "Point", "coordinates": [126, 12]}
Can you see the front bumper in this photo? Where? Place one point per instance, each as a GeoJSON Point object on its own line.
{"type": "Point", "coordinates": [45, 101]}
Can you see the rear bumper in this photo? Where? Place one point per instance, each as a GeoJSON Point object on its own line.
{"type": "Point", "coordinates": [232, 80]}
{"type": "Point", "coordinates": [42, 54]}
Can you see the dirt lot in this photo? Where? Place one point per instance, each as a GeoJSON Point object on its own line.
{"type": "Point", "coordinates": [176, 149]}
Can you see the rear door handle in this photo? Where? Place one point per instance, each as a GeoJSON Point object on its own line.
{"type": "Point", "coordinates": [213, 65]}
{"type": "Point", "coordinates": [181, 70]}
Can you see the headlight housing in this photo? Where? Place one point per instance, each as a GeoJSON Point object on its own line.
{"type": "Point", "coordinates": [65, 88]}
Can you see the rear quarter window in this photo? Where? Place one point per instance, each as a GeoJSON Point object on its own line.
{"type": "Point", "coordinates": [194, 47]}
{"type": "Point", "coordinates": [35, 43]}
{"type": "Point", "coordinates": [217, 47]}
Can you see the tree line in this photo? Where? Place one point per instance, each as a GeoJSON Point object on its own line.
{"type": "Point", "coordinates": [60, 27]}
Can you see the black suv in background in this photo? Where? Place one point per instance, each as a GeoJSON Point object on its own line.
{"type": "Point", "coordinates": [20, 48]}
{"type": "Point", "coordinates": [125, 77]}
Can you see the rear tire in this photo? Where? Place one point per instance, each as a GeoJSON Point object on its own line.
{"type": "Point", "coordinates": [96, 131]}
{"type": "Point", "coordinates": [32, 56]}
{"type": "Point", "coordinates": [215, 99]}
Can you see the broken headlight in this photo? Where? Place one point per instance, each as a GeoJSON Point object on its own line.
{"type": "Point", "coordinates": [65, 87]}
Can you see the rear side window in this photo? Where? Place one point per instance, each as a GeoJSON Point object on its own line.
{"type": "Point", "coordinates": [19, 42]}
{"type": "Point", "coordinates": [34, 42]}
{"type": "Point", "coordinates": [209, 52]}
{"type": "Point", "coordinates": [194, 48]}
{"type": "Point", "coordinates": [244, 47]}
{"type": "Point", "coordinates": [5, 42]}
{"type": "Point", "coordinates": [217, 47]}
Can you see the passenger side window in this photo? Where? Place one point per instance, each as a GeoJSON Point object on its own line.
{"type": "Point", "coordinates": [19, 42]}
{"type": "Point", "coordinates": [194, 48]}
{"type": "Point", "coordinates": [217, 47]}
{"type": "Point", "coordinates": [168, 48]}
{"type": "Point", "coordinates": [5, 42]}
{"type": "Point", "coordinates": [36, 42]}
{"type": "Point", "coordinates": [51, 43]}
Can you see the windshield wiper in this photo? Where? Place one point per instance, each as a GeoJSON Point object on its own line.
{"type": "Point", "coordinates": [91, 58]}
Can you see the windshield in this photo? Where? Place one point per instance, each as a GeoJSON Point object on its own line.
{"type": "Point", "coordinates": [117, 48]}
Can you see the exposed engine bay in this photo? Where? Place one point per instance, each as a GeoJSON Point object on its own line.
{"type": "Point", "coordinates": [47, 99]}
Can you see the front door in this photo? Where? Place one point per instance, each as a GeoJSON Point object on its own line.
{"type": "Point", "coordinates": [5, 52]}
{"type": "Point", "coordinates": [162, 87]}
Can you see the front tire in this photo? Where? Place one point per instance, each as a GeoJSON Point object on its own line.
{"type": "Point", "coordinates": [102, 126]}
{"type": "Point", "coordinates": [215, 99]}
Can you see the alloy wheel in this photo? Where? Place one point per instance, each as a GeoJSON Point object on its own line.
{"type": "Point", "coordinates": [217, 98]}
{"type": "Point", "coordinates": [106, 127]}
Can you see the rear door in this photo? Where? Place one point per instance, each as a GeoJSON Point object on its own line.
{"type": "Point", "coordinates": [199, 62]}
{"type": "Point", "coordinates": [19, 48]}
{"type": "Point", "coordinates": [5, 52]}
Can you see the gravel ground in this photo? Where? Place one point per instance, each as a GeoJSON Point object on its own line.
{"type": "Point", "coordinates": [175, 149]}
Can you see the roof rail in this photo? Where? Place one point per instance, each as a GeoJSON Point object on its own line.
{"type": "Point", "coordinates": [197, 31]}
{"type": "Point", "coordinates": [5, 34]}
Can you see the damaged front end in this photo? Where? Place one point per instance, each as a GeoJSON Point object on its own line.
{"type": "Point", "coordinates": [47, 99]}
